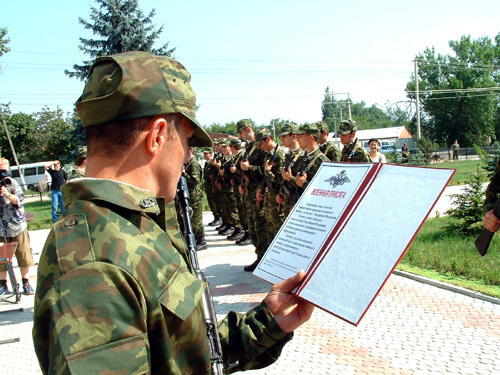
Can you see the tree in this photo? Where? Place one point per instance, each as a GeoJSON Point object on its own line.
{"type": "Point", "coordinates": [20, 126]}
{"type": "Point", "coordinates": [4, 41]}
{"type": "Point", "coordinates": [52, 136]}
{"type": "Point", "coordinates": [455, 92]}
{"type": "Point", "coordinates": [122, 27]}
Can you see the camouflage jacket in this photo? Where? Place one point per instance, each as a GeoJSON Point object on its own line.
{"type": "Point", "coordinates": [209, 171]}
{"type": "Point", "coordinates": [255, 156]}
{"type": "Point", "coordinates": [289, 188]}
{"type": "Point", "coordinates": [310, 165]}
{"type": "Point", "coordinates": [331, 151]}
{"type": "Point", "coordinates": [355, 153]}
{"type": "Point", "coordinates": [13, 216]}
{"type": "Point", "coordinates": [272, 178]}
{"type": "Point", "coordinates": [77, 173]}
{"type": "Point", "coordinates": [116, 293]}
{"type": "Point", "coordinates": [193, 174]}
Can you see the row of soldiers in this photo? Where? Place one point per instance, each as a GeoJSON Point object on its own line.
{"type": "Point", "coordinates": [251, 186]}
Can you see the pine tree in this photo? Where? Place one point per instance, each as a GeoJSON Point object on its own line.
{"type": "Point", "coordinates": [122, 27]}
{"type": "Point", "coordinates": [468, 206]}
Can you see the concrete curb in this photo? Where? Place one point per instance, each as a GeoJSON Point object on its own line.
{"type": "Point", "coordinates": [450, 287]}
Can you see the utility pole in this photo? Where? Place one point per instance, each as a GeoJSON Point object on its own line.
{"type": "Point", "coordinates": [13, 150]}
{"type": "Point", "coordinates": [418, 99]}
{"type": "Point", "coordinates": [349, 105]}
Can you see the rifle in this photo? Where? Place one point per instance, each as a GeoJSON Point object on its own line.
{"type": "Point", "coordinates": [349, 152]}
{"type": "Point", "coordinates": [303, 164]}
{"type": "Point", "coordinates": [286, 167]}
{"type": "Point", "coordinates": [214, 346]}
{"type": "Point", "coordinates": [482, 242]}
{"type": "Point", "coordinates": [271, 160]}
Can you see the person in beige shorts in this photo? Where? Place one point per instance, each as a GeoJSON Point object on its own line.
{"type": "Point", "coordinates": [13, 227]}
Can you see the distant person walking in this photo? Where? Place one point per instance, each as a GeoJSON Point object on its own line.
{"type": "Point", "coordinates": [59, 178]}
{"type": "Point", "coordinates": [455, 147]}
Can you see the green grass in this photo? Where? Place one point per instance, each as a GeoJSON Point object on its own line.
{"type": "Point", "coordinates": [446, 255]}
{"type": "Point", "coordinates": [43, 215]}
{"type": "Point", "coordinates": [464, 170]}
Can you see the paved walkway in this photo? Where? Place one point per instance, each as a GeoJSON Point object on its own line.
{"type": "Point", "coordinates": [411, 328]}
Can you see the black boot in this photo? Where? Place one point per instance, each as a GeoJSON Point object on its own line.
{"type": "Point", "coordinates": [201, 244]}
{"type": "Point", "coordinates": [238, 234]}
{"type": "Point", "coordinates": [246, 240]}
{"type": "Point", "coordinates": [217, 221]}
{"type": "Point", "coordinates": [222, 228]}
{"type": "Point", "coordinates": [252, 266]}
{"type": "Point", "coordinates": [227, 231]}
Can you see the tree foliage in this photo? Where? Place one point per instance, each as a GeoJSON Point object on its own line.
{"type": "Point", "coordinates": [335, 110]}
{"type": "Point", "coordinates": [455, 92]}
{"type": "Point", "coordinates": [122, 27]}
{"type": "Point", "coordinates": [467, 207]}
{"type": "Point", "coordinates": [4, 40]}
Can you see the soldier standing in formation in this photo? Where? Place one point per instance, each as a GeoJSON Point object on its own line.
{"type": "Point", "coordinates": [208, 173]}
{"type": "Point", "coordinates": [266, 194]}
{"type": "Point", "coordinates": [352, 152]}
{"type": "Point", "coordinates": [252, 176]}
{"type": "Point", "coordinates": [311, 159]}
{"type": "Point", "coordinates": [192, 173]}
{"type": "Point", "coordinates": [288, 193]}
{"type": "Point", "coordinates": [230, 216]}
{"type": "Point", "coordinates": [327, 147]}
{"type": "Point", "coordinates": [242, 238]}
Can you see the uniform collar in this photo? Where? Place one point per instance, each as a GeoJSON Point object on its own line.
{"type": "Point", "coordinates": [117, 193]}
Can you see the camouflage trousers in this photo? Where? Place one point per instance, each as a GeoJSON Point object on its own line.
{"type": "Point", "coordinates": [288, 203]}
{"type": "Point", "coordinates": [256, 221]}
{"type": "Point", "coordinates": [212, 202]}
{"type": "Point", "coordinates": [229, 209]}
{"type": "Point", "coordinates": [196, 204]}
{"type": "Point", "coordinates": [242, 213]}
{"type": "Point", "coordinates": [274, 219]}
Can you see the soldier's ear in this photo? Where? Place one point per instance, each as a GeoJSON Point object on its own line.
{"type": "Point", "coordinates": [156, 135]}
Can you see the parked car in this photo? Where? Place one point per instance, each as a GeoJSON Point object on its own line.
{"type": "Point", "coordinates": [388, 148]}
{"type": "Point", "coordinates": [33, 173]}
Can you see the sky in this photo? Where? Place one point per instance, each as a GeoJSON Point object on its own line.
{"type": "Point", "coordinates": [261, 59]}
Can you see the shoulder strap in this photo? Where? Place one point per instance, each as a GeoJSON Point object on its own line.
{"type": "Point", "coordinates": [73, 244]}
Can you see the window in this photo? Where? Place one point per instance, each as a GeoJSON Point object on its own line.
{"type": "Point", "coordinates": [15, 173]}
{"type": "Point", "coordinates": [30, 172]}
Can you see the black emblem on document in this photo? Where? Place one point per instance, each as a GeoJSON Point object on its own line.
{"type": "Point", "coordinates": [340, 179]}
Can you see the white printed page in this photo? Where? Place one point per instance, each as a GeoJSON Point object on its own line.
{"type": "Point", "coordinates": [358, 263]}
{"type": "Point", "coordinates": [312, 220]}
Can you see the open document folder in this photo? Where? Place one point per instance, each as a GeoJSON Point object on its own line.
{"type": "Point", "coordinates": [348, 231]}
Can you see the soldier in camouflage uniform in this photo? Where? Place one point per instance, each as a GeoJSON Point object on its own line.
{"type": "Point", "coordinates": [241, 237]}
{"type": "Point", "coordinates": [352, 152]}
{"type": "Point", "coordinates": [116, 292]}
{"type": "Point", "coordinates": [81, 163]}
{"type": "Point", "coordinates": [225, 184]}
{"type": "Point", "coordinates": [252, 175]}
{"type": "Point", "coordinates": [312, 158]}
{"type": "Point", "coordinates": [273, 164]}
{"type": "Point", "coordinates": [208, 172]}
{"type": "Point", "coordinates": [192, 173]}
{"type": "Point", "coordinates": [327, 147]}
{"type": "Point", "coordinates": [288, 192]}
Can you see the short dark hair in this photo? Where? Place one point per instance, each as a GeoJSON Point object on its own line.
{"type": "Point", "coordinates": [111, 139]}
{"type": "Point", "coordinates": [373, 140]}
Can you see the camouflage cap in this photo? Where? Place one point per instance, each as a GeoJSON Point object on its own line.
{"type": "Point", "coordinates": [347, 126]}
{"type": "Point", "coordinates": [137, 84]}
{"type": "Point", "coordinates": [309, 129]}
{"type": "Point", "coordinates": [242, 124]}
{"type": "Point", "coordinates": [81, 152]}
{"type": "Point", "coordinates": [322, 126]}
{"type": "Point", "coordinates": [224, 142]}
{"type": "Point", "coordinates": [262, 134]}
{"type": "Point", "coordinates": [289, 128]}
{"type": "Point", "coordinates": [235, 142]}
{"type": "Point", "coordinates": [208, 150]}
